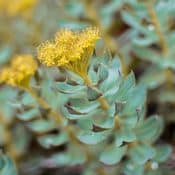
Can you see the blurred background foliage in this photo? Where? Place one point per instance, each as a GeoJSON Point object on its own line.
{"type": "Point", "coordinates": [140, 32]}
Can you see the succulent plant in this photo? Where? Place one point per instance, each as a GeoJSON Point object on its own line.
{"type": "Point", "coordinates": [85, 108]}
{"type": "Point", "coordinates": [103, 121]}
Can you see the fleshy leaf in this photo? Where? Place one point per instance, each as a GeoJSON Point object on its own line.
{"type": "Point", "coordinates": [162, 153]}
{"type": "Point", "coordinates": [29, 115]}
{"type": "Point", "coordinates": [140, 154]}
{"type": "Point", "coordinates": [82, 105]}
{"type": "Point", "coordinates": [41, 126]}
{"type": "Point", "coordinates": [149, 129]}
{"type": "Point", "coordinates": [124, 135]}
{"type": "Point", "coordinates": [133, 169]}
{"type": "Point", "coordinates": [47, 141]}
{"type": "Point", "coordinates": [93, 138]}
{"type": "Point", "coordinates": [67, 88]}
{"type": "Point", "coordinates": [125, 88]}
{"type": "Point", "coordinates": [93, 94]}
{"type": "Point", "coordinates": [7, 166]}
{"type": "Point", "coordinates": [112, 155]}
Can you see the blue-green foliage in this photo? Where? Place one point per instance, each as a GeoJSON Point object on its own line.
{"type": "Point", "coordinates": [7, 165]}
{"type": "Point", "coordinates": [109, 134]}
{"type": "Point", "coordinates": [133, 137]}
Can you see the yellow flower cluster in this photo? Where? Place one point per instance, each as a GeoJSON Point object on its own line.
{"type": "Point", "coordinates": [16, 7]}
{"type": "Point", "coordinates": [69, 49]}
{"type": "Point", "coordinates": [20, 71]}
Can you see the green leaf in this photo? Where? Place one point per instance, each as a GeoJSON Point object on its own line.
{"type": "Point", "coordinates": [111, 84]}
{"type": "Point", "coordinates": [75, 25]}
{"type": "Point", "coordinates": [102, 72]}
{"type": "Point", "coordinates": [2, 134]}
{"type": "Point", "coordinates": [93, 93]}
{"type": "Point", "coordinates": [125, 88]}
{"type": "Point", "coordinates": [67, 88]}
{"type": "Point", "coordinates": [112, 155]}
{"type": "Point", "coordinates": [21, 138]}
{"type": "Point", "coordinates": [162, 153]}
{"type": "Point", "coordinates": [93, 74]}
{"type": "Point", "coordinates": [74, 8]}
{"type": "Point", "coordinates": [27, 100]}
{"type": "Point", "coordinates": [140, 154]}
{"type": "Point", "coordinates": [61, 159]}
{"type": "Point", "coordinates": [149, 129]}
{"type": "Point", "coordinates": [5, 54]}
{"type": "Point", "coordinates": [167, 96]}
{"type": "Point", "coordinates": [93, 138]}
{"type": "Point", "coordinates": [153, 77]}
{"type": "Point", "coordinates": [146, 40]}
{"type": "Point", "coordinates": [129, 121]}
{"type": "Point", "coordinates": [83, 106]}
{"type": "Point", "coordinates": [7, 99]}
{"type": "Point", "coordinates": [154, 172]}
{"type": "Point", "coordinates": [135, 101]}
{"type": "Point", "coordinates": [148, 54]}
{"type": "Point", "coordinates": [133, 20]}
{"type": "Point", "coordinates": [48, 141]}
{"type": "Point", "coordinates": [73, 116]}
{"type": "Point", "coordinates": [29, 115]}
{"type": "Point", "coordinates": [111, 7]}
{"type": "Point", "coordinates": [41, 126]}
{"type": "Point", "coordinates": [124, 135]}
{"type": "Point", "coordinates": [85, 124]}
{"type": "Point", "coordinates": [74, 156]}
{"type": "Point", "coordinates": [133, 169]}
{"type": "Point", "coordinates": [107, 11]}
{"type": "Point", "coordinates": [7, 166]}
{"type": "Point", "coordinates": [107, 123]}
{"type": "Point", "coordinates": [89, 172]}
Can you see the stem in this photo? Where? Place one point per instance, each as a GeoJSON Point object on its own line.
{"type": "Point", "coordinates": [56, 116]}
{"type": "Point", "coordinates": [169, 78]}
{"type": "Point", "coordinates": [157, 26]}
{"type": "Point", "coordinates": [123, 64]}
{"type": "Point", "coordinates": [9, 146]}
{"type": "Point", "coordinates": [103, 102]}
{"type": "Point", "coordinates": [101, 171]}
{"type": "Point", "coordinates": [117, 122]}
{"type": "Point", "coordinates": [163, 43]}
{"type": "Point", "coordinates": [92, 14]}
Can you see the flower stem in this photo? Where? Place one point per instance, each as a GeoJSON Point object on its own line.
{"type": "Point", "coordinates": [56, 116]}
{"type": "Point", "coordinates": [94, 17]}
{"type": "Point", "coordinates": [163, 43]}
{"type": "Point", "coordinates": [158, 29]}
{"type": "Point", "coordinates": [8, 140]}
{"type": "Point", "coordinates": [101, 171]}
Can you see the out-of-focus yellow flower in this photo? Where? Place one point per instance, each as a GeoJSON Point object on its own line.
{"type": "Point", "coordinates": [2, 4]}
{"type": "Point", "coordinates": [17, 7]}
{"type": "Point", "coordinates": [70, 50]}
{"type": "Point", "coordinates": [19, 72]}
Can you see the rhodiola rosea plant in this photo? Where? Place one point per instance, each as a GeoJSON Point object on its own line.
{"type": "Point", "coordinates": [82, 101]}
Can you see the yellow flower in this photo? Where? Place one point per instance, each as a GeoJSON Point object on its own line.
{"type": "Point", "coordinates": [20, 71]}
{"type": "Point", "coordinates": [17, 7]}
{"type": "Point", "coordinates": [70, 50]}
{"type": "Point", "coordinates": [2, 4]}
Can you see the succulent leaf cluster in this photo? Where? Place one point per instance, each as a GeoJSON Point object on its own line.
{"type": "Point", "coordinates": [104, 121]}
